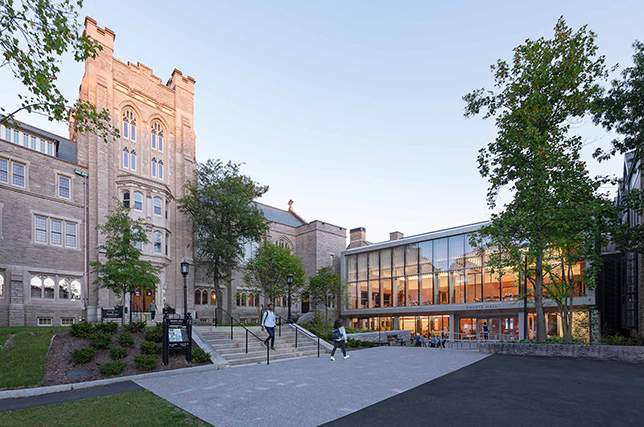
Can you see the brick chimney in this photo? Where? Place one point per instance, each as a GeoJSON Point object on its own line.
{"type": "Point", "coordinates": [395, 235]}
{"type": "Point", "coordinates": [357, 237]}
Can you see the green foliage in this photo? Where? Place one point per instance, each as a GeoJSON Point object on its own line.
{"type": "Point", "coordinates": [326, 287]}
{"type": "Point", "coordinates": [124, 270]}
{"type": "Point", "coordinates": [221, 205]}
{"type": "Point", "coordinates": [145, 362]}
{"type": "Point", "coordinates": [621, 340]}
{"type": "Point", "coordinates": [83, 355]}
{"type": "Point", "coordinates": [148, 347]}
{"type": "Point", "coordinates": [34, 36]}
{"type": "Point", "coordinates": [101, 339]}
{"type": "Point", "coordinates": [266, 272]}
{"type": "Point", "coordinates": [200, 356]}
{"type": "Point", "coordinates": [557, 216]}
{"type": "Point", "coordinates": [358, 343]}
{"type": "Point", "coordinates": [136, 326]}
{"type": "Point", "coordinates": [108, 327]}
{"type": "Point", "coordinates": [111, 368]}
{"type": "Point", "coordinates": [154, 334]}
{"type": "Point", "coordinates": [126, 339]}
{"type": "Point", "coordinates": [117, 353]}
{"type": "Point", "coordinates": [81, 329]}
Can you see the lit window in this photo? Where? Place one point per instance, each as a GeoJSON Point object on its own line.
{"type": "Point", "coordinates": [138, 201]}
{"type": "Point", "coordinates": [160, 170]}
{"type": "Point", "coordinates": [126, 199]}
{"type": "Point", "coordinates": [33, 142]}
{"type": "Point", "coordinates": [157, 242]}
{"type": "Point", "coordinates": [63, 187]}
{"type": "Point", "coordinates": [126, 158]}
{"type": "Point", "coordinates": [157, 206]}
{"type": "Point", "coordinates": [41, 229]}
{"type": "Point", "coordinates": [56, 232]}
{"type": "Point", "coordinates": [66, 321]}
{"type": "Point", "coordinates": [18, 175]}
{"type": "Point", "coordinates": [4, 171]}
{"type": "Point", "coordinates": [70, 235]}
{"type": "Point", "coordinates": [154, 168]}
{"type": "Point", "coordinates": [133, 161]}
{"type": "Point", "coordinates": [45, 321]}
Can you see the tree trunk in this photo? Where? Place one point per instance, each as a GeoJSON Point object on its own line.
{"type": "Point", "coordinates": [215, 281]}
{"type": "Point", "coordinates": [130, 307]}
{"type": "Point", "coordinates": [538, 298]}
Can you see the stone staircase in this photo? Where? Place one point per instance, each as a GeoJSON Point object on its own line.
{"type": "Point", "coordinates": [234, 351]}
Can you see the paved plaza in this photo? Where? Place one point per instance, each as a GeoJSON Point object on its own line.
{"type": "Point", "coordinates": [308, 391]}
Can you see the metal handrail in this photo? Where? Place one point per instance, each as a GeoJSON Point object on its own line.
{"type": "Point", "coordinates": [277, 316]}
{"type": "Point", "coordinates": [232, 320]}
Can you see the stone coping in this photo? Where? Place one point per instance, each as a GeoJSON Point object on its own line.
{"type": "Point", "coordinates": [630, 354]}
{"type": "Point", "coordinates": [37, 391]}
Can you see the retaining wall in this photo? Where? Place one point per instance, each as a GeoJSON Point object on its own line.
{"type": "Point", "coordinates": [373, 336]}
{"type": "Point", "coordinates": [631, 354]}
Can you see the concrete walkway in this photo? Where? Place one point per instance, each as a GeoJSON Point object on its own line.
{"type": "Point", "coordinates": [308, 391]}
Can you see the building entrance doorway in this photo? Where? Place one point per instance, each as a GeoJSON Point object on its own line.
{"type": "Point", "coordinates": [306, 303]}
{"type": "Point", "coordinates": [142, 298]}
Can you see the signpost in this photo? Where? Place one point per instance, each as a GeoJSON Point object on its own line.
{"type": "Point", "coordinates": [111, 313]}
{"type": "Point", "coordinates": [177, 334]}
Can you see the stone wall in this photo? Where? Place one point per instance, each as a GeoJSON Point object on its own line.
{"type": "Point", "coordinates": [382, 335]}
{"type": "Point", "coordinates": [630, 354]}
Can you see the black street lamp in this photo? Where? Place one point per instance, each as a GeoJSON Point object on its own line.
{"type": "Point", "coordinates": [289, 282]}
{"type": "Point", "coordinates": [185, 269]}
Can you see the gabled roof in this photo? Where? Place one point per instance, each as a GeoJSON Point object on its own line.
{"type": "Point", "coordinates": [281, 216]}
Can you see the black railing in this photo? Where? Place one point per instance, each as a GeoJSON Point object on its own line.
{"type": "Point", "coordinates": [296, 331]}
{"type": "Point", "coordinates": [248, 331]}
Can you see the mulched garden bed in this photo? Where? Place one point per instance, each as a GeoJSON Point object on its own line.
{"type": "Point", "coordinates": [59, 361]}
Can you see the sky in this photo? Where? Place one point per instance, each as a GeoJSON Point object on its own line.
{"type": "Point", "coordinates": [353, 110]}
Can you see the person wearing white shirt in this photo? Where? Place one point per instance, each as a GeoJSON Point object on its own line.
{"type": "Point", "coordinates": [268, 322]}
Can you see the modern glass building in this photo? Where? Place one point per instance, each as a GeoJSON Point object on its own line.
{"type": "Point", "coordinates": [436, 283]}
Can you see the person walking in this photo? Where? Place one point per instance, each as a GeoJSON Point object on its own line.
{"type": "Point", "coordinates": [153, 309]}
{"type": "Point", "coordinates": [339, 336]}
{"type": "Point", "coordinates": [486, 331]}
{"type": "Point", "coordinates": [268, 322]}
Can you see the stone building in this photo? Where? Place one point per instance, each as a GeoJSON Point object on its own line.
{"type": "Point", "coordinates": [41, 228]}
{"type": "Point", "coordinates": [317, 243]}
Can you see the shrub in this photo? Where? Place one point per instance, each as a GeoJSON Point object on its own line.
{"type": "Point", "coordinates": [200, 356]}
{"type": "Point", "coordinates": [358, 343]}
{"type": "Point", "coordinates": [126, 339]}
{"type": "Point", "coordinates": [109, 327]}
{"type": "Point", "coordinates": [82, 329]}
{"type": "Point", "coordinates": [117, 353]}
{"type": "Point", "coordinates": [154, 334]}
{"type": "Point", "coordinates": [101, 340]}
{"type": "Point", "coordinates": [83, 355]}
{"type": "Point", "coordinates": [111, 368]}
{"type": "Point", "coordinates": [148, 347]}
{"type": "Point", "coordinates": [136, 326]}
{"type": "Point", "coordinates": [145, 362]}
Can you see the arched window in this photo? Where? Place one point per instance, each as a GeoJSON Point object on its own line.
{"type": "Point", "coordinates": [213, 298]}
{"type": "Point", "coordinates": [160, 169]}
{"type": "Point", "coordinates": [126, 158]}
{"type": "Point", "coordinates": [157, 136]}
{"type": "Point", "coordinates": [283, 243]}
{"type": "Point", "coordinates": [197, 297]}
{"type": "Point", "coordinates": [257, 300]}
{"type": "Point", "coordinates": [129, 125]}
{"type": "Point", "coordinates": [243, 300]}
{"type": "Point", "coordinates": [154, 168]}
{"type": "Point", "coordinates": [157, 206]}
{"type": "Point", "coordinates": [133, 160]}
{"type": "Point", "coordinates": [204, 297]}
{"type": "Point", "coordinates": [36, 287]}
{"type": "Point", "coordinates": [126, 199]}
{"type": "Point", "coordinates": [138, 201]}
{"type": "Point", "coordinates": [157, 242]}
{"type": "Point", "coordinates": [49, 288]}
{"type": "Point", "coordinates": [251, 300]}
{"type": "Point", "coordinates": [238, 300]}
{"type": "Point", "coordinates": [278, 301]}
{"type": "Point", "coordinates": [75, 290]}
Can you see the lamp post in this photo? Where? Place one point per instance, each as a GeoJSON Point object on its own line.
{"type": "Point", "coordinates": [185, 269]}
{"type": "Point", "coordinates": [525, 299]}
{"type": "Point", "coordinates": [85, 247]}
{"type": "Point", "coordinates": [289, 282]}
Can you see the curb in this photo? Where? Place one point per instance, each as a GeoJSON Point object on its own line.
{"type": "Point", "coordinates": [37, 391]}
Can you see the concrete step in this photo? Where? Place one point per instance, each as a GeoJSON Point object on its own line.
{"type": "Point", "coordinates": [259, 349]}
{"type": "Point", "coordinates": [273, 357]}
{"type": "Point", "coordinates": [262, 353]}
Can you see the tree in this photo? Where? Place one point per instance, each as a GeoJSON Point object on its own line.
{"type": "Point", "coordinates": [124, 270]}
{"type": "Point", "coordinates": [325, 288]}
{"type": "Point", "coordinates": [266, 272]}
{"type": "Point", "coordinates": [224, 215]}
{"type": "Point", "coordinates": [549, 84]}
{"type": "Point", "coordinates": [34, 34]}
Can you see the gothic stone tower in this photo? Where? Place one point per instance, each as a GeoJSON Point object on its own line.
{"type": "Point", "coordinates": [146, 168]}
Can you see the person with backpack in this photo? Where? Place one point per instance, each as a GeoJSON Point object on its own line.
{"type": "Point", "coordinates": [486, 331]}
{"type": "Point", "coordinates": [339, 336]}
{"type": "Point", "coordinates": [268, 322]}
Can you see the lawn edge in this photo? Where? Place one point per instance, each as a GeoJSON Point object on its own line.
{"type": "Point", "coordinates": [37, 391]}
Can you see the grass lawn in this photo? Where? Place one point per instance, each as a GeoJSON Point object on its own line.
{"type": "Point", "coordinates": [21, 360]}
{"type": "Point", "coordinates": [134, 408]}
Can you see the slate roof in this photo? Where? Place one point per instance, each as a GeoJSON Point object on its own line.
{"type": "Point", "coordinates": [280, 216]}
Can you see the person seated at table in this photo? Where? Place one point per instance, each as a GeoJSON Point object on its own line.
{"type": "Point", "coordinates": [433, 342]}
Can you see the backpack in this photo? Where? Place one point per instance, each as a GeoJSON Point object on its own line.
{"type": "Point", "coordinates": [336, 334]}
